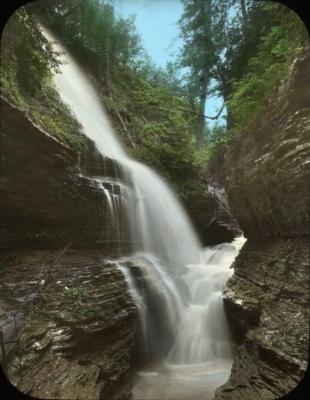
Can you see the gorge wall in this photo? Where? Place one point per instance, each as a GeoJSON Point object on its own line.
{"type": "Point", "coordinates": [70, 309]}
{"type": "Point", "coordinates": [266, 175]}
{"type": "Point", "coordinates": [48, 196]}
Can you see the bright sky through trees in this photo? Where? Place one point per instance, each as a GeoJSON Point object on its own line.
{"type": "Point", "coordinates": [156, 22]}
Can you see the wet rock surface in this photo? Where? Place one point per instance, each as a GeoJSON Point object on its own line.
{"type": "Point", "coordinates": [45, 200]}
{"type": "Point", "coordinates": [267, 304]}
{"type": "Point", "coordinates": [155, 342]}
{"type": "Point", "coordinates": [77, 325]}
{"type": "Point", "coordinates": [266, 175]}
{"type": "Point", "coordinates": [210, 213]}
{"type": "Point", "coordinates": [223, 227]}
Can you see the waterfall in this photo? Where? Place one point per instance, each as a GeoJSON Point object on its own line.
{"type": "Point", "coordinates": [158, 221]}
{"type": "Point", "coordinates": [165, 240]}
{"type": "Point", "coordinates": [203, 334]}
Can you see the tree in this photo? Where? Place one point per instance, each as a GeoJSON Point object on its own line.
{"type": "Point", "coordinates": [198, 56]}
{"type": "Point", "coordinates": [92, 31]}
{"type": "Point", "coordinates": [264, 71]}
{"type": "Point", "coordinates": [30, 52]}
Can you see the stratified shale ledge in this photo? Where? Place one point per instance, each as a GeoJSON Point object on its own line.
{"type": "Point", "coordinates": [266, 177]}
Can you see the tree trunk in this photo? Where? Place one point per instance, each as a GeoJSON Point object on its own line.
{"type": "Point", "coordinates": [244, 11]}
{"type": "Point", "coordinates": [200, 139]}
{"type": "Point", "coordinates": [244, 17]}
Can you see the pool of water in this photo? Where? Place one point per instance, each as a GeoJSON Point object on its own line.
{"type": "Point", "coordinates": [181, 382]}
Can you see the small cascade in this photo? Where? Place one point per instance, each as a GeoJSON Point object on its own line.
{"type": "Point", "coordinates": [115, 183]}
{"type": "Point", "coordinates": [203, 334]}
{"type": "Point", "coordinates": [139, 300]}
{"type": "Point", "coordinates": [158, 299]}
{"type": "Point", "coordinates": [201, 355]}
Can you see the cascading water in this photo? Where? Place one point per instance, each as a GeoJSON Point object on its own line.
{"type": "Point", "coordinates": [201, 356]}
{"type": "Point", "coordinates": [164, 239]}
{"type": "Point", "coordinates": [158, 221]}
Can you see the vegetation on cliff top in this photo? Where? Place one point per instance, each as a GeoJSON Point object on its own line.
{"type": "Point", "coordinates": [238, 50]}
{"type": "Point", "coordinates": [27, 65]}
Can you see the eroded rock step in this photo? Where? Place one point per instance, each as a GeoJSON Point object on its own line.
{"type": "Point", "coordinates": [77, 325]}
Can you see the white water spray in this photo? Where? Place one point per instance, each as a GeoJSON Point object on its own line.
{"type": "Point", "coordinates": [201, 356]}
{"type": "Point", "coordinates": [163, 234]}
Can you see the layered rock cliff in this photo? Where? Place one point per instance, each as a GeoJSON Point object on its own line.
{"type": "Point", "coordinates": [70, 309]}
{"type": "Point", "coordinates": [266, 175]}
{"type": "Point", "coordinates": [48, 198]}
{"type": "Point", "coordinates": [77, 325]}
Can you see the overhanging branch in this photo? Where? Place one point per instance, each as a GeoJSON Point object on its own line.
{"type": "Point", "coordinates": [196, 113]}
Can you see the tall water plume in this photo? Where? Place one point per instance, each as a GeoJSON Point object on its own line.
{"type": "Point", "coordinates": [164, 239]}
{"type": "Point", "coordinates": [159, 223]}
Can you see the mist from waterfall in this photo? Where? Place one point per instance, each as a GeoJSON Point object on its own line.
{"type": "Point", "coordinates": [164, 237]}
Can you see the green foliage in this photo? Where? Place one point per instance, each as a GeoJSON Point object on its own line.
{"type": "Point", "coordinates": [217, 139]}
{"type": "Point", "coordinates": [23, 47]}
{"type": "Point", "coordinates": [239, 49]}
{"type": "Point", "coordinates": [27, 65]}
{"type": "Point", "coordinates": [253, 43]}
{"type": "Point", "coordinates": [74, 307]}
{"type": "Point", "coordinates": [198, 56]}
{"type": "Point", "coordinates": [165, 141]}
{"type": "Point", "coordinates": [201, 157]}
{"type": "Point", "coordinates": [140, 97]}
{"type": "Point", "coordinates": [158, 130]}
{"type": "Point", "coordinates": [265, 71]}
{"type": "Point", "coordinates": [237, 28]}
{"type": "Point", "coordinates": [198, 51]}
{"type": "Point", "coordinates": [168, 77]}
{"type": "Point", "coordinates": [43, 297]}
{"type": "Point", "coordinates": [91, 30]}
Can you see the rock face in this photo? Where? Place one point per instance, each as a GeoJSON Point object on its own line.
{"type": "Point", "coordinates": [210, 213]}
{"type": "Point", "coordinates": [268, 305]}
{"type": "Point", "coordinates": [70, 309]}
{"type": "Point", "coordinates": [41, 180]}
{"type": "Point", "coordinates": [223, 227]}
{"type": "Point", "coordinates": [156, 331]}
{"type": "Point", "coordinates": [266, 171]}
{"type": "Point", "coordinates": [78, 336]}
{"type": "Point", "coordinates": [266, 175]}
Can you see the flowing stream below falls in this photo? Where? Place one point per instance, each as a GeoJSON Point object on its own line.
{"type": "Point", "coordinates": [201, 357]}
{"type": "Point", "coordinates": [175, 283]}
